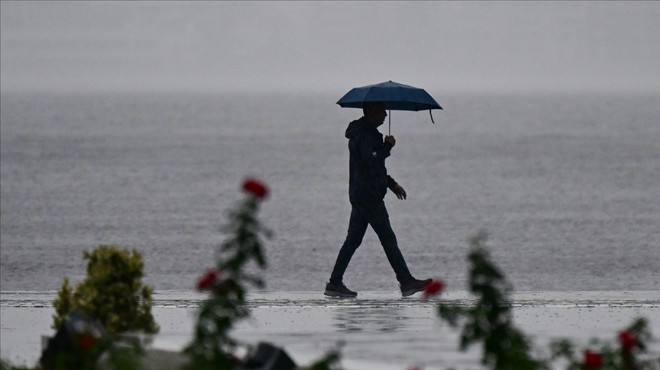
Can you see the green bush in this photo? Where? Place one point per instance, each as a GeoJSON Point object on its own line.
{"type": "Point", "coordinates": [112, 292]}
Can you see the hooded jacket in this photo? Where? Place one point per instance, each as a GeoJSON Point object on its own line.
{"type": "Point", "coordinates": [368, 178]}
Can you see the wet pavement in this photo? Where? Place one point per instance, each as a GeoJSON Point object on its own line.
{"type": "Point", "coordinates": [377, 330]}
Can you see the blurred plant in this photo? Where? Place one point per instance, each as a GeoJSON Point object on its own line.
{"type": "Point", "coordinates": [5, 365]}
{"type": "Point", "coordinates": [112, 292]}
{"type": "Point", "coordinates": [505, 347]}
{"type": "Point", "coordinates": [490, 320]}
{"type": "Point", "coordinates": [109, 353]}
{"type": "Point", "coordinates": [212, 347]}
{"type": "Point", "coordinates": [123, 356]}
{"type": "Point", "coordinates": [78, 343]}
{"type": "Point", "coordinates": [624, 356]}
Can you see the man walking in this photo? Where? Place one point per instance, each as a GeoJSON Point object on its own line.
{"type": "Point", "coordinates": [368, 184]}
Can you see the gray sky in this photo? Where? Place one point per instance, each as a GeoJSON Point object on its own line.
{"type": "Point", "coordinates": [448, 46]}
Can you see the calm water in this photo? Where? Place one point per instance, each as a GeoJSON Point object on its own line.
{"type": "Point", "coordinates": [567, 186]}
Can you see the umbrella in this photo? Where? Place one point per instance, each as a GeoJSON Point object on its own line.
{"type": "Point", "coordinates": [393, 95]}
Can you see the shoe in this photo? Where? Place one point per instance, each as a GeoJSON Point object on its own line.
{"type": "Point", "coordinates": [414, 286]}
{"type": "Point", "coordinates": [339, 290]}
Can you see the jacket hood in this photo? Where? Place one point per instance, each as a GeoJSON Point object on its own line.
{"type": "Point", "coordinates": [354, 128]}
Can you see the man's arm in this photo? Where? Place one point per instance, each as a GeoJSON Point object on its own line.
{"type": "Point", "coordinates": [391, 184]}
{"type": "Point", "coordinates": [396, 188]}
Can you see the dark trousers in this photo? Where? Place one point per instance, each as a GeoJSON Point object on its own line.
{"type": "Point", "coordinates": [362, 215]}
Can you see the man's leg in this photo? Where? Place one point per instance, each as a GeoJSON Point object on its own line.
{"type": "Point", "coordinates": [357, 227]}
{"type": "Point", "coordinates": [379, 220]}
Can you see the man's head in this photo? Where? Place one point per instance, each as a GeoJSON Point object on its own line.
{"type": "Point", "coordinates": [374, 112]}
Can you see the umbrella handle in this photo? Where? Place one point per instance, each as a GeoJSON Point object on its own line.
{"type": "Point", "coordinates": [389, 124]}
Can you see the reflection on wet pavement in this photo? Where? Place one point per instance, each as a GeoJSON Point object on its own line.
{"type": "Point", "coordinates": [383, 319]}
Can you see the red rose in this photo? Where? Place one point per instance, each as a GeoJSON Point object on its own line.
{"type": "Point", "coordinates": [627, 340]}
{"type": "Point", "coordinates": [256, 188]}
{"type": "Point", "coordinates": [87, 342]}
{"type": "Point", "coordinates": [593, 360]}
{"type": "Point", "coordinates": [207, 281]}
{"type": "Point", "coordinates": [433, 288]}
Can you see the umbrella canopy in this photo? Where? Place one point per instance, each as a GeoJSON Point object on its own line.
{"type": "Point", "coordinates": [393, 95]}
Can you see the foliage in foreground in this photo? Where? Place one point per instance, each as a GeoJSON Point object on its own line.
{"type": "Point", "coordinates": [490, 321]}
{"type": "Point", "coordinates": [212, 346]}
{"type": "Point", "coordinates": [632, 343]}
{"type": "Point", "coordinates": [505, 347]}
{"type": "Point", "coordinates": [112, 292]}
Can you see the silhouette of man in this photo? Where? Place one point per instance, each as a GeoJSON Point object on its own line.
{"type": "Point", "coordinates": [368, 184]}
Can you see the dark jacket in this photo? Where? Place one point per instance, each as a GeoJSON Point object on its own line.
{"type": "Point", "coordinates": [368, 178]}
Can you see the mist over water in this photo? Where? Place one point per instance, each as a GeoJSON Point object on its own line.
{"type": "Point", "coordinates": [230, 46]}
{"type": "Point", "coordinates": [565, 184]}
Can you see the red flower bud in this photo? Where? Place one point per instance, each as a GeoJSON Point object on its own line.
{"type": "Point", "coordinates": [207, 281]}
{"type": "Point", "coordinates": [433, 288]}
{"type": "Point", "coordinates": [627, 340]}
{"type": "Point", "coordinates": [593, 360]}
{"type": "Point", "coordinates": [256, 188]}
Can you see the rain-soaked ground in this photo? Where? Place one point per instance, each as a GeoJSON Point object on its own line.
{"type": "Point", "coordinates": [378, 330]}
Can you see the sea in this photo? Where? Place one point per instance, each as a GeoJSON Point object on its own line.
{"type": "Point", "coordinates": [566, 185]}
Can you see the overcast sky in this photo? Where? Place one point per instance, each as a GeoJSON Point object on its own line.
{"type": "Point", "coordinates": [448, 46]}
